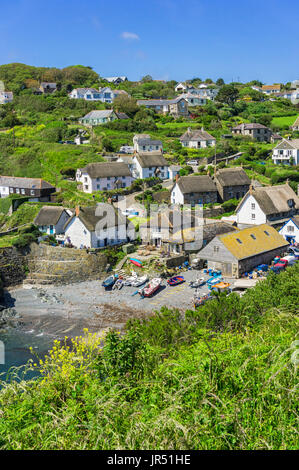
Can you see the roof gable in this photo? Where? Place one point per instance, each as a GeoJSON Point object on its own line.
{"type": "Point", "coordinates": [232, 177]}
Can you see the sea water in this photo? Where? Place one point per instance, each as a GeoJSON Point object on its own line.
{"type": "Point", "coordinates": [17, 352]}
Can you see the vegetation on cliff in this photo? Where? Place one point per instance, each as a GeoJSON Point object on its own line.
{"type": "Point", "coordinates": [220, 377]}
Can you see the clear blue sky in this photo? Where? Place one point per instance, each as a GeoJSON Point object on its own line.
{"type": "Point", "coordinates": [168, 39]}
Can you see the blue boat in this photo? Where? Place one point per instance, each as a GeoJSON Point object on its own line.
{"type": "Point", "coordinates": [109, 281]}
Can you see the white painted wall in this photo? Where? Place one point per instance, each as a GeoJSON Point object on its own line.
{"type": "Point", "coordinates": [244, 213]}
{"type": "Point", "coordinates": [4, 191]}
{"type": "Point", "coordinates": [90, 185]}
{"type": "Point", "coordinates": [78, 233]}
{"type": "Point", "coordinates": [290, 230]}
{"type": "Point", "coordinates": [177, 196]}
{"type": "Point", "coordinates": [284, 155]}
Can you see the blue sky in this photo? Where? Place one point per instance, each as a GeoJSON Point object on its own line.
{"type": "Point", "coordinates": [168, 39]}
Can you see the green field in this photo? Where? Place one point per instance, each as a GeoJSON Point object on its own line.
{"type": "Point", "coordinates": [283, 120]}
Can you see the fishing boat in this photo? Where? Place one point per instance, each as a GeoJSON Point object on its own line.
{"type": "Point", "coordinates": [151, 287]}
{"type": "Point", "coordinates": [128, 281]}
{"type": "Point", "coordinates": [221, 287]}
{"type": "Point", "coordinates": [175, 280]}
{"type": "Point", "coordinates": [109, 281]}
{"type": "Point", "coordinates": [139, 281]}
{"type": "Point", "coordinates": [197, 283]}
{"type": "Point", "coordinates": [118, 284]}
{"type": "Point", "coordinates": [201, 300]}
{"type": "Point", "coordinates": [137, 262]}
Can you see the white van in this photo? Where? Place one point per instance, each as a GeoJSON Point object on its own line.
{"type": "Point", "coordinates": [290, 259]}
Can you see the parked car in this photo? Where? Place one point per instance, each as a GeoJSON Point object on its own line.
{"type": "Point", "coordinates": [192, 162]}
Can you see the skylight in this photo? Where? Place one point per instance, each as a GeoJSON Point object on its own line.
{"type": "Point", "coordinates": [239, 241]}
{"type": "Point", "coordinates": [253, 236]}
{"type": "Point", "coordinates": [267, 233]}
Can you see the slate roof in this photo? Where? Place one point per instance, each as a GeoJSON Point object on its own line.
{"type": "Point", "coordinates": [288, 144]}
{"type": "Point", "coordinates": [196, 184]}
{"type": "Point", "coordinates": [149, 142]}
{"type": "Point", "coordinates": [121, 115]}
{"type": "Point", "coordinates": [24, 183]}
{"type": "Point", "coordinates": [201, 134]}
{"type": "Point", "coordinates": [232, 177]}
{"type": "Point", "coordinates": [99, 114]}
{"type": "Point", "coordinates": [104, 170]}
{"type": "Point", "coordinates": [86, 90]}
{"type": "Point", "coordinates": [249, 125]}
{"type": "Point", "coordinates": [273, 199]}
{"type": "Point", "coordinates": [159, 102]}
{"type": "Point", "coordinates": [209, 232]}
{"type": "Point", "coordinates": [151, 159]}
{"type": "Point", "coordinates": [252, 246]}
{"type": "Point", "coordinates": [88, 217]}
{"type": "Point", "coordinates": [49, 215]}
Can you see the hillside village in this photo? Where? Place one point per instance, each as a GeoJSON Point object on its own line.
{"type": "Point", "coordinates": [72, 142]}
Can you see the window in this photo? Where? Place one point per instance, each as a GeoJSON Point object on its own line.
{"type": "Point", "coordinates": [265, 231]}
{"type": "Point", "coordinates": [17, 191]}
{"type": "Point", "coordinates": [253, 206]}
{"type": "Point", "coordinates": [253, 216]}
{"type": "Point", "coordinates": [290, 228]}
{"type": "Point", "coordinates": [23, 191]}
{"type": "Point", "coordinates": [32, 192]}
{"type": "Point", "coordinates": [216, 249]}
{"type": "Point", "coordinates": [11, 190]}
{"type": "Point", "coordinates": [253, 236]}
{"type": "Point", "coordinates": [239, 241]}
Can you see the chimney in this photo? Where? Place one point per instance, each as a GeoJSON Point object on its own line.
{"type": "Point", "coordinates": [77, 211]}
{"type": "Point", "coordinates": [251, 189]}
{"type": "Point", "coordinates": [288, 181]}
{"type": "Point", "coordinates": [109, 200]}
{"type": "Point", "coordinates": [177, 176]}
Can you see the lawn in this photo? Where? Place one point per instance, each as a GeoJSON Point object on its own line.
{"type": "Point", "coordinates": [283, 121]}
{"type": "Point", "coordinates": [7, 240]}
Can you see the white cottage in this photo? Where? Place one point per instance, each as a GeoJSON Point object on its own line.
{"type": "Point", "coordinates": [272, 205]}
{"type": "Point", "coordinates": [149, 164]}
{"type": "Point", "coordinates": [290, 230]}
{"type": "Point", "coordinates": [197, 139]}
{"type": "Point", "coordinates": [52, 219]}
{"type": "Point", "coordinates": [104, 176]}
{"type": "Point", "coordinates": [97, 227]}
{"type": "Point", "coordinates": [144, 143]}
{"type": "Point", "coordinates": [286, 152]}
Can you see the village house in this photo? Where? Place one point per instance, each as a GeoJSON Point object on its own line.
{"type": "Point", "coordinates": [295, 126]}
{"type": "Point", "coordinates": [88, 94]}
{"type": "Point", "coordinates": [194, 100]}
{"type": "Point", "coordinates": [95, 227]}
{"type": "Point", "coordinates": [128, 160]}
{"type": "Point", "coordinates": [290, 230]}
{"type": "Point", "coordinates": [116, 80]}
{"type": "Point", "coordinates": [144, 143]}
{"type": "Point", "coordinates": [52, 219]}
{"type": "Point", "coordinates": [150, 164]}
{"type": "Point", "coordinates": [173, 170]}
{"type": "Point", "coordinates": [6, 97]}
{"type": "Point", "coordinates": [197, 139]}
{"type": "Point", "coordinates": [104, 176]}
{"type": "Point", "coordinates": [191, 240]}
{"type": "Point", "coordinates": [292, 95]}
{"type": "Point", "coordinates": [47, 87]}
{"type": "Point", "coordinates": [286, 152]}
{"type": "Point", "coordinates": [273, 205]}
{"type": "Point", "coordinates": [254, 130]}
{"type": "Point", "coordinates": [161, 225]}
{"type": "Point", "coordinates": [194, 190]}
{"type": "Point", "coordinates": [35, 189]}
{"type": "Point", "coordinates": [96, 118]}
{"type": "Point", "coordinates": [275, 138]}
{"type": "Point", "coordinates": [181, 87]}
{"type": "Point", "coordinates": [267, 89]}
{"type": "Point", "coordinates": [175, 107]}
{"type": "Point", "coordinates": [241, 251]}
{"type": "Point", "coordinates": [231, 183]}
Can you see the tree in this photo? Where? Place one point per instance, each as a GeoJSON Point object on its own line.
{"type": "Point", "coordinates": [208, 80]}
{"type": "Point", "coordinates": [228, 94]}
{"type": "Point", "coordinates": [147, 78]}
{"type": "Point", "coordinates": [126, 104]}
{"type": "Point", "coordinates": [220, 82]}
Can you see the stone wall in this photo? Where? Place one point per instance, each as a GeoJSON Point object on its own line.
{"type": "Point", "coordinates": [12, 266]}
{"type": "Point", "coordinates": [58, 265]}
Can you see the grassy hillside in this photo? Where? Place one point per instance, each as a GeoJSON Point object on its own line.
{"type": "Point", "coordinates": [221, 377]}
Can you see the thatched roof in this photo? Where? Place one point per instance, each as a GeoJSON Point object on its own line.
{"type": "Point", "coordinates": [232, 177]}
{"type": "Point", "coordinates": [104, 170]}
{"type": "Point", "coordinates": [49, 215]}
{"type": "Point", "coordinates": [273, 199]}
{"type": "Point", "coordinates": [196, 184]}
